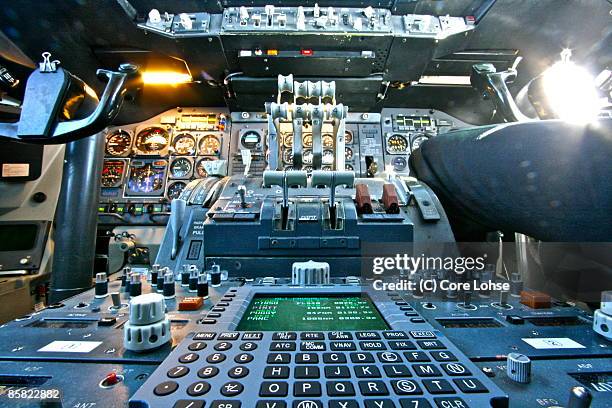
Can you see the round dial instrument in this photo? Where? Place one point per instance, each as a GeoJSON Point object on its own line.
{"type": "Point", "coordinates": [184, 144]}
{"type": "Point", "coordinates": [397, 144]}
{"type": "Point", "coordinates": [307, 156]}
{"type": "Point", "coordinates": [209, 145]}
{"type": "Point", "coordinates": [328, 156]}
{"type": "Point", "coordinates": [250, 139]}
{"type": "Point", "coordinates": [328, 141]}
{"type": "Point", "coordinates": [287, 156]}
{"type": "Point", "coordinates": [118, 143]}
{"type": "Point", "coordinates": [307, 140]}
{"type": "Point", "coordinates": [152, 140]}
{"type": "Point", "coordinates": [416, 141]}
{"type": "Point", "coordinates": [112, 173]}
{"type": "Point", "coordinates": [288, 141]}
{"type": "Point", "coordinates": [348, 137]}
{"type": "Point", "coordinates": [175, 189]}
{"type": "Point", "coordinates": [348, 153]}
{"type": "Point", "coordinates": [200, 170]}
{"type": "Point", "coordinates": [348, 167]}
{"type": "Point", "coordinates": [181, 168]}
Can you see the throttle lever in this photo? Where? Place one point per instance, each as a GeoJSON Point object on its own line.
{"type": "Point", "coordinates": [177, 213]}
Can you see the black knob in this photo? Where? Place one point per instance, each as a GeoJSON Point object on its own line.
{"type": "Point", "coordinates": [580, 397]}
{"type": "Point", "coordinates": [39, 197]}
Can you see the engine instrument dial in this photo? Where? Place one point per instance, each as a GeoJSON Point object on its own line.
{"type": "Point", "coordinates": [209, 145]}
{"type": "Point", "coordinates": [200, 170]}
{"type": "Point", "coordinates": [416, 141]}
{"type": "Point", "coordinates": [288, 141]}
{"type": "Point", "coordinates": [328, 156]}
{"type": "Point", "coordinates": [112, 173]}
{"type": "Point", "coordinates": [328, 141]}
{"type": "Point", "coordinates": [287, 156]}
{"type": "Point", "coordinates": [184, 144]}
{"type": "Point", "coordinates": [348, 137]}
{"type": "Point", "coordinates": [348, 153]}
{"type": "Point", "coordinates": [152, 140]}
{"type": "Point", "coordinates": [307, 140]}
{"type": "Point", "coordinates": [118, 143]}
{"type": "Point", "coordinates": [307, 156]}
{"type": "Point", "coordinates": [397, 144]}
{"type": "Point", "coordinates": [181, 168]}
{"type": "Point", "coordinates": [175, 189]}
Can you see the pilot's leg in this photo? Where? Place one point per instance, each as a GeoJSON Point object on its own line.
{"type": "Point", "coordinates": [547, 179]}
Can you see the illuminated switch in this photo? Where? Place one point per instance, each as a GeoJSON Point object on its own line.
{"type": "Point", "coordinates": [535, 300]}
{"type": "Point", "coordinates": [190, 303]}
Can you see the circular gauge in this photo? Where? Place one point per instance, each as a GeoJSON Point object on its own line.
{"type": "Point", "coordinates": [328, 156]}
{"type": "Point", "coordinates": [112, 172]}
{"type": "Point", "coordinates": [118, 143]}
{"type": "Point", "coordinates": [288, 156]}
{"type": "Point", "coordinates": [326, 168]}
{"type": "Point", "coordinates": [147, 178]}
{"type": "Point", "coordinates": [175, 189]}
{"type": "Point", "coordinates": [209, 145]}
{"type": "Point", "coordinates": [307, 156]}
{"type": "Point", "coordinates": [307, 140]}
{"type": "Point", "coordinates": [308, 169]}
{"type": "Point", "coordinates": [200, 170]}
{"type": "Point", "coordinates": [151, 140]}
{"type": "Point", "coordinates": [328, 141]}
{"type": "Point", "coordinates": [289, 168]}
{"type": "Point", "coordinates": [181, 168]}
{"type": "Point", "coordinates": [348, 153]}
{"type": "Point", "coordinates": [416, 141]}
{"type": "Point", "coordinates": [288, 141]}
{"type": "Point", "coordinates": [397, 144]}
{"type": "Point", "coordinates": [399, 163]}
{"type": "Point", "coordinates": [348, 137]}
{"type": "Point", "coordinates": [348, 167]}
{"type": "Point", "coordinates": [250, 139]}
{"type": "Point", "coordinates": [184, 144]}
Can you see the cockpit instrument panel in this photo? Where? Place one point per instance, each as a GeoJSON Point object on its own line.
{"type": "Point", "coordinates": [112, 173]}
{"type": "Point", "coordinates": [147, 177]}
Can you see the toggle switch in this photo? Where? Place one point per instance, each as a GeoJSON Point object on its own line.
{"type": "Point", "coordinates": [390, 200]}
{"type": "Point", "coordinates": [363, 199]}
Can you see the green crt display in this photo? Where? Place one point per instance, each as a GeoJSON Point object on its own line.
{"type": "Point", "coordinates": [311, 313]}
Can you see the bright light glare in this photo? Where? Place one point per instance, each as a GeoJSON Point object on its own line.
{"type": "Point", "coordinates": [571, 92]}
{"type": "Point", "coordinates": [165, 78]}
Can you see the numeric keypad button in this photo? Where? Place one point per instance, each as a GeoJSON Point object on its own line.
{"type": "Point", "coordinates": [243, 358]}
{"type": "Point", "coordinates": [197, 346]}
{"type": "Point", "coordinates": [273, 389]}
{"type": "Point", "coordinates": [415, 403]}
{"type": "Point", "coordinates": [248, 346]}
{"type": "Point", "coordinates": [276, 372]}
{"type": "Point", "coordinates": [208, 372]}
{"type": "Point", "coordinates": [178, 371]}
{"type": "Point", "coordinates": [238, 372]}
{"type": "Point", "coordinates": [223, 346]}
{"type": "Point", "coordinates": [165, 388]}
{"type": "Point", "coordinates": [188, 358]}
{"type": "Point", "coordinates": [215, 358]}
{"type": "Point", "coordinates": [231, 389]}
{"type": "Point", "coordinates": [340, 389]}
{"type": "Point", "coordinates": [198, 388]}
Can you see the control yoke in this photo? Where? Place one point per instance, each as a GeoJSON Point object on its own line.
{"type": "Point", "coordinates": [50, 95]}
{"type": "Point", "coordinates": [492, 84]}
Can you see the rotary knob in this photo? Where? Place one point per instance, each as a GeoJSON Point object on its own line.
{"type": "Point", "coordinates": [148, 327]}
{"type": "Point", "coordinates": [310, 273]}
{"type": "Point", "coordinates": [518, 368]}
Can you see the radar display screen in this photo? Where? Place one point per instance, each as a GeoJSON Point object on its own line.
{"type": "Point", "coordinates": [305, 313]}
